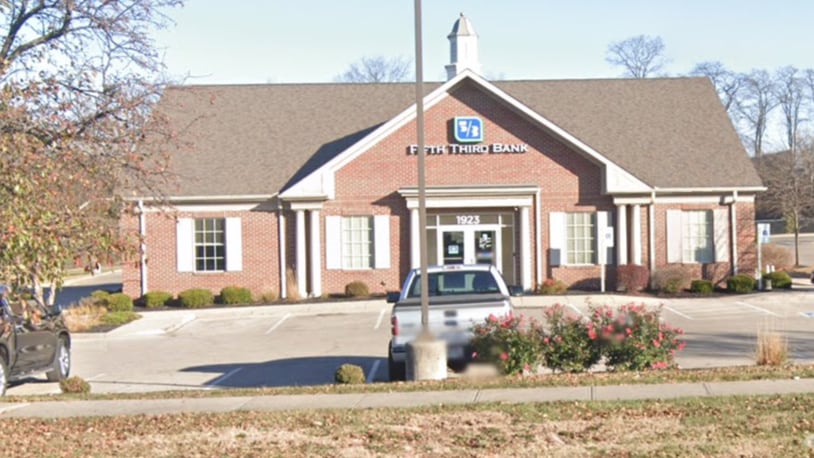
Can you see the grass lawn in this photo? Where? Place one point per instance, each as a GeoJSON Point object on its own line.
{"type": "Point", "coordinates": [724, 426]}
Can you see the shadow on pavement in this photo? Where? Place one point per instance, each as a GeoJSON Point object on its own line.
{"type": "Point", "coordinates": [290, 372]}
{"type": "Point", "coordinates": [743, 345]}
{"type": "Point", "coordinates": [70, 295]}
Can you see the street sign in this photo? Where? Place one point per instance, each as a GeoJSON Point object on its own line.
{"type": "Point", "coordinates": [764, 230]}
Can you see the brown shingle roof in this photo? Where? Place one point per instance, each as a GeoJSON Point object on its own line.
{"type": "Point", "coordinates": [260, 139]}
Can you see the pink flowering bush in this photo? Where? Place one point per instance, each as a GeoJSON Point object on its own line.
{"type": "Point", "coordinates": [633, 338]}
{"type": "Point", "coordinates": [566, 342]}
{"type": "Point", "coordinates": [510, 343]}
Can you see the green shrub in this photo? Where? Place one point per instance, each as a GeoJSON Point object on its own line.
{"type": "Point", "coordinates": [120, 302]}
{"type": "Point", "coordinates": [567, 345]}
{"type": "Point", "coordinates": [349, 374]}
{"type": "Point", "coordinates": [508, 343]}
{"type": "Point", "coordinates": [671, 279]}
{"type": "Point", "coordinates": [701, 286]}
{"type": "Point", "coordinates": [634, 338]}
{"type": "Point", "coordinates": [118, 318]}
{"type": "Point", "coordinates": [632, 278]}
{"type": "Point", "coordinates": [100, 297]}
{"type": "Point", "coordinates": [74, 384]}
{"type": "Point", "coordinates": [196, 298]}
{"type": "Point", "coordinates": [780, 279]}
{"type": "Point", "coordinates": [740, 283]}
{"type": "Point", "coordinates": [357, 289]}
{"type": "Point", "coordinates": [155, 299]}
{"type": "Point", "coordinates": [231, 295]}
{"type": "Point", "coordinates": [552, 286]}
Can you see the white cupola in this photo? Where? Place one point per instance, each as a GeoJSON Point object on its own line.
{"type": "Point", "coordinates": [463, 48]}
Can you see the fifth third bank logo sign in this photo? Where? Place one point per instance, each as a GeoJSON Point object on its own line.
{"type": "Point", "coordinates": [468, 129]}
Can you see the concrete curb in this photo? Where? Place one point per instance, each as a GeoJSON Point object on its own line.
{"type": "Point", "coordinates": [96, 408]}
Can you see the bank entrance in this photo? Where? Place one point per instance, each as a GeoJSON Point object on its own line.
{"type": "Point", "coordinates": [470, 238]}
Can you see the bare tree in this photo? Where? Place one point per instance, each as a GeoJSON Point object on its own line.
{"type": "Point", "coordinates": [790, 182]}
{"type": "Point", "coordinates": [726, 82]}
{"type": "Point", "coordinates": [641, 56]}
{"type": "Point", "coordinates": [754, 106]}
{"type": "Point", "coordinates": [78, 80]}
{"type": "Point", "coordinates": [377, 69]}
{"type": "Point", "coordinates": [789, 92]}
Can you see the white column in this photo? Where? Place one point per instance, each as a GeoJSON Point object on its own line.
{"type": "Point", "coordinates": [734, 227]}
{"type": "Point", "coordinates": [142, 232]}
{"type": "Point", "coordinates": [316, 255]}
{"type": "Point", "coordinates": [621, 235]}
{"type": "Point", "coordinates": [301, 264]}
{"type": "Point", "coordinates": [282, 243]}
{"type": "Point", "coordinates": [636, 239]}
{"type": "Point", "coordinates": [525, 247]}
{"type": "Point", "coordinates": [415, 249]}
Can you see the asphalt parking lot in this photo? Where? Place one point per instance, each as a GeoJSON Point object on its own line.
{"type": "Point", "coordinates": [303, 345]}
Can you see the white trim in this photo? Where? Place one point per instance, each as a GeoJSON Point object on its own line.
{"type": "Point", "coordinates": [234, 245]}
{"type": "Point", "coordinates": [301, 261]}
{"type": "Point", "coordinates": [381, 242]}
{"type": "Point", "coordinates": [674, 229]}
{"type": "Point", "coordinates": [333, 242]}
{"type": "Point", "coordinates": [683, 199]}
{"type": "Point", "coordinates": [142, 230]}
{"type": "Point", "coordinates": [185, 244]}
{"type": "Point", "coordinates": [415, 248]}
{"type": "Point", "coordinates": [733, 224]}
{"type": "Point", "coordinates": [208, 208]}
{"type": "Point", "coordinates": [636, 235]}
{"type": "Point", "coordinates": [720, 234]}
{"type": "Point", "coordinates": [621, 234]}
{"type": "Point", "coordinates": [204, 198]}
{"type": "Point", "coordinates": [726, 190]}
{"type": "Point", "coordinates": [538, 238]}
{"type": "Point", "coordinates": [281, 244]}
{"type": "Point", "coordinates": [557, 238]}
{"type": "Point", "coordinates": [316, 255]}
{"type": "Point", "coordinates": [525, 248]}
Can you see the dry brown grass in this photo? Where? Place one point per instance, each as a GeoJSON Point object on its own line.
{"type": "Point", "coordinates": [778, 256]}
{"type": "Point", "coordinates": [84, 316]}
{"type": "Point", "coordinates": [291, 286]}
{"type": "Point", "coordinates": [772, 348]}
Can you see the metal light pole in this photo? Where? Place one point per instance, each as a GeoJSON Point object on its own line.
{"type": "Point", "coordinates": [426, 356]}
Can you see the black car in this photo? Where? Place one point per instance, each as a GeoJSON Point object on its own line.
{"type": "Point", "coordinates": [33, 339]}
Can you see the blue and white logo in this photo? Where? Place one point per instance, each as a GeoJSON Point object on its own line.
{"type": "Point", "coordinates": [468, 129]}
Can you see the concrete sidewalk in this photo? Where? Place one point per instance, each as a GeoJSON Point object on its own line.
{"type": "Point", "coordinates": [61, 409]}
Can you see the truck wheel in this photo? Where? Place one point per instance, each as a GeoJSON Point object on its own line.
{"type": "Point", "coordinates": [398, 371]}
{"type": "Point", "coordinates": [3, 374]}
{"type": "Point", "coordinates": [62, 363]}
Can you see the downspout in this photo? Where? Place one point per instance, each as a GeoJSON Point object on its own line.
{"type": "Point", "coordinates": [142, 231]}
{"type": "Point", "coordinates": [651, 223]}
{"type": "Point", "coordinates": [538, 240]}
{"type": "Point", "coordinates": [733, 225]}
{"type": "Point", "coordinates": [281, 245]}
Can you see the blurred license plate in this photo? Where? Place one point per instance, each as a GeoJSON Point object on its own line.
{"type": "Point", "coordinates": [455, 353]}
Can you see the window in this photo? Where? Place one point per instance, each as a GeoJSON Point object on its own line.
{"type": "Point", "coordinates": [357, 242]}
{"type": "Point", "coordinates": [696, 241]}
{"type": "Point", "coordinates": [210, 245]}
{"type": "Point", "coordinates": [580, 239]}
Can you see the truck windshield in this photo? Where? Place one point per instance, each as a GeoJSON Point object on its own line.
{"type": "Point", "coordinates": [456, 282]}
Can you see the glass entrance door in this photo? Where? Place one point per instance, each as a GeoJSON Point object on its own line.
{"type": "Point", "coordinates": [470, 246]}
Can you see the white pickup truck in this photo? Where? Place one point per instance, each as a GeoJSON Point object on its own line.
{"type": "Point", "coordinates": [459, 296]}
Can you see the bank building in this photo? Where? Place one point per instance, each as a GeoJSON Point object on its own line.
{"type": "Point", "coordinates": [313, 186]}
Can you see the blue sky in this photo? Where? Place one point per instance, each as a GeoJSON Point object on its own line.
{"type": "Point", "coordinates": [262, 41]}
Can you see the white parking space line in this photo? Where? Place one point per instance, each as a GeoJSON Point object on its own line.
{"type": "Point", "coordinates": [670, 309]}
{"type": "Point", "coordinates": [759, 309]}
{"type": "Point", "coordinates": [277, 324]}
{"type": "Point", "coordinates": [223, 378]}
{"type": "Point", "coordinates": [381, 317]}
{"type": "Point", "coordinates": [372, 375]}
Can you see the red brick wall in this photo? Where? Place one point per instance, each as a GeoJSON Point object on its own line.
{"type": "Point", "coordinates": [260, 271]}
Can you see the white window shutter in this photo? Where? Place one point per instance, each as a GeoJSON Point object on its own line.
{"type": "Point", "coordinates": [185, 244]}
{"type": "Point", "coordinates": [720, 228]}
{"type": "Point", "coordinates": [234, 245]}
{"type": "Point", "coordinates": [674, 236]}
{"type": "Point", "coordinates": [557, 238]}
{"type": "Point", "coordinates": [381, 241]}
{"type": "Point", "coordinates": [602, 221]}
{"type": "Point", "coordinates": [333, 242]}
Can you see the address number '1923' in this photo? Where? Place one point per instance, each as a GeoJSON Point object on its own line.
{"type": "Point", "coordinates": [468, 219]}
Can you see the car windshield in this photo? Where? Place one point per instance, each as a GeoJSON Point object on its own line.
{"type": "Point", "coordinates": [456, 282]}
